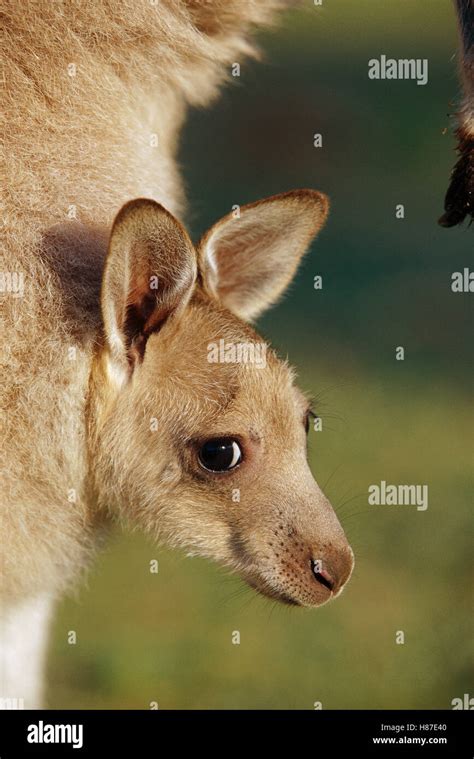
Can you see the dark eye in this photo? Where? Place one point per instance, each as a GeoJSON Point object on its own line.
{"type": "Point", "coordinates": [220, 454]}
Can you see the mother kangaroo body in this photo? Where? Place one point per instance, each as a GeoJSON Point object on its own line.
{"type": "Point", "coordinates": [114, 403]}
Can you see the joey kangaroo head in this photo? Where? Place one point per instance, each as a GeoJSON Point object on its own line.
{"type": "Point", "coordinates": [197, 430]}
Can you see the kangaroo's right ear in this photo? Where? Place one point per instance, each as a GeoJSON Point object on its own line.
{"type": "Point", "coordinates": [248, 261]}
{"type": "Point", "coordinates": [149, 275]}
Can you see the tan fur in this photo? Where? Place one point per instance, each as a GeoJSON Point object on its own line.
{"type": "Point", "coordinates": [260, 278]}
{"type": "Point", "coordinates": [152, 477]}
{"type": "Point", "coordinates": [95, 353]}
{"type": "Point", "coordinates": [83, 142]}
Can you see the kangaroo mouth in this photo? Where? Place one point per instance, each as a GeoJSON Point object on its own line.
{"type": "Point", "coordinates": [306, 585]}
{"type": "Point", "coordinates": [248, 570]}
{"type": "Point", "coordinates": [265, 589]}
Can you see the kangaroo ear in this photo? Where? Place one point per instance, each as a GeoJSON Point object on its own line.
{"type": "Point", "coordinates": [149, 275]}
{"type": "Point", "coordinates": [247, 261]}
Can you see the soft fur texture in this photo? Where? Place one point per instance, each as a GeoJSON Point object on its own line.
{"type": "Point", "coordinates": [109, 393]}
{"type": "Point", "coordinates": [82, 145]}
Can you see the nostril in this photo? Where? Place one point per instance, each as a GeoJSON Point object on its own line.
{"type": "Point", "coordinates": [321, 575]}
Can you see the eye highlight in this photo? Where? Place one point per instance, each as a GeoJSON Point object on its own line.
{"type": "Point", "coordinates": [220, 454]}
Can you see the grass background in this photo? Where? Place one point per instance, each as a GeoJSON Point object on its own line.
{"type": "Point", "coordinates": [166, 638]}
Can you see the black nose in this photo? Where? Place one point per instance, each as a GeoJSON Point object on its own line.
{"type": "Point", "coordinates": [322, 575]}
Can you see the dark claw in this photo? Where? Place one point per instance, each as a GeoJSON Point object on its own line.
{"type": "Point", "coordinates": [459, 200]}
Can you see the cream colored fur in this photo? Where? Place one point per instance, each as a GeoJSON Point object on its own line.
{"type": "Point", "coordinates": [92, 355]}
{"type": "Point", "coordinates": [24, 627]}
{"type": "Point", "coordinates": [83, 142]}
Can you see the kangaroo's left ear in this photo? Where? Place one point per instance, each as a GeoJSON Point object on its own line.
{"type": "Point", "coordinates": [248, 259]}
{"type": "Point", "coordinates": [148, 278]}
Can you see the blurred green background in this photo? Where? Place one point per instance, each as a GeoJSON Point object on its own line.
{"type": "Point", "coordinates": [166, 637]}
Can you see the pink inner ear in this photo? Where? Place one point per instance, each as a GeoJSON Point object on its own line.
{"type": "Point", "coordinates": [144, 310]}
{"type": "Point", "coordinates": [250, 260]}
{"type": "Point", "coordinates": [151, 298]}
{"type": "Point", "coordinates": [144, 315]}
